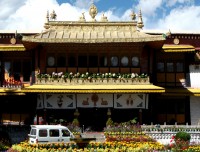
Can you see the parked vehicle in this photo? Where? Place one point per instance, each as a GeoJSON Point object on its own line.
{"type": "Point", "coordinates": [49, 133]}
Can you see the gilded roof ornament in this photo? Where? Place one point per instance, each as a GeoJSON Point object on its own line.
{"type": "Point", "coordinates": [93, 11]}
{"type": "Point", "coordinates": [104, 18]}
{"type": "Point", "coordinates": [47, 17]}
{"type": "Point", "coordinates": [53, 15]}
{"type": "Point", "coordinates": [140, 22]}
{"type": "Point", "coordinates": [133, 15]}
{"type": "Point", "coordinates": [46, 26]}
{"type": "Point", "coordinates": [82, 18]}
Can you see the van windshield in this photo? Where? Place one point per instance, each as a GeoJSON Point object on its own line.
{"type": "Point", "coordinates": [33, 132]}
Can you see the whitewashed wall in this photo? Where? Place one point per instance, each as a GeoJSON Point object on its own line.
{"type": "Point", "coordinates": [195, 110]}
{"type": "Point", "coordinates": [194, 76]}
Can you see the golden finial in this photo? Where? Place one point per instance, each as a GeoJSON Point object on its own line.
{"type": "Point", "coordinates": [140, 22]}
{"type": "Point", "coordinates": [46, 26]}
{"type": "Point", "coordinates": [93, 11]}
{"type": "Point", "coordinates": [47, 17]}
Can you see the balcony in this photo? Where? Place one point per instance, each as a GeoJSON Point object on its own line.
{"type": "Point", "coordinates": [91, 78]}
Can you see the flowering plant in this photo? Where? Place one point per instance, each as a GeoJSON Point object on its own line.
{"type": "Point", "coordinates": [180, 141]}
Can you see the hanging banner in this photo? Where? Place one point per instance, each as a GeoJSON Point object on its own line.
{"type": "Point", "coordinates": [94, 100]}
{"type": "Point", "coordinates": [131, 101]}
{"type": "Point", "coordinates": [59, 101]}
{"type": "Point", "coordinates": [40, 103]}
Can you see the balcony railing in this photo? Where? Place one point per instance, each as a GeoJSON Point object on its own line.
{"type": "Point", "coordinates": [164, 133]}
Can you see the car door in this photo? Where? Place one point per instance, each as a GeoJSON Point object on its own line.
{"type": "Point", "coordinates": [54, 135]}
{"type": "Point", "coordinates": [66, 135]}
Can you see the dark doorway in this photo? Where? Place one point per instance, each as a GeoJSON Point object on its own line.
{"type": "Point", "coordinates": [124, 115]}
{"type": "Point", "coordinates": [93, 119]}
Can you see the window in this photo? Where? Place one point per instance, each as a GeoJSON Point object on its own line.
{"type": "Point", "coordinates": [135, 61]}
{"type": "Point", "coordinates": [33, 132]}
{"type": "Point", "coordinates": [170, 67]}
{"type": "Point", "coordinates": [103, 61]}
{"type": "Point", "coordinates": [54, 133]}
{"type": "Point", "coordinates": [43, 133]}
{"type": "Point", "coordinates": [82, 61]}
{"type": "Point", "coordinates": [114, 61]}
{"type": "Point", "coordinates": [65, 133]}
{"type": "Point", "coordinates": [7, 70]}
{"type": "Point", "coordinates": [51, 61]}
{"type": "Point", "coordinates": [72, 61]}
{"type": "Point", "coordinates": [93, 61]}
{"type": "Point", "coordinates": [160, 67]}
{"type": "Point", "coordinates": [61, 60]}
{"type": "Point", "coordinates": [124, 61]}
{"type": "Point", "coordinates": [179, 67]}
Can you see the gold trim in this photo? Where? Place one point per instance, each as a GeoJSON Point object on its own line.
{"type": "Point", "coordinates": [178, 48]}
{"type": "Point", "coordinates": [94, 89]}
{"type": "Point", "coordinates": [12, 48]}
{"type": "Point", "coordinates": [11, 93]}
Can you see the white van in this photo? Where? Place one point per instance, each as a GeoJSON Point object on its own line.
{"type": "Point", "coordinates": [49, 133]}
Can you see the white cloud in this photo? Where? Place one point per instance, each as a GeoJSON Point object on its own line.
{"type": "Point", "coordinates": [84, 3]}
{"type": "Point", "coordinates": [181, 19]}
{"type": "Point", "coordinates": [174, 2]}
{"type": "Point", "coordinates": [31, 14]}
{"type": "Point", "coordinates": [149, 7]}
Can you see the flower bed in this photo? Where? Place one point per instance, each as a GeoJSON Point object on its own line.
{"type": "Point", "coordinates": [91, 78]}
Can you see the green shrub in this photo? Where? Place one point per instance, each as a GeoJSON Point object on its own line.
{"type": "Point", "coordinates": [182, 136]}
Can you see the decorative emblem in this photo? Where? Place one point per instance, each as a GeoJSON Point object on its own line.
{"type": "Point", "coordinates": [104, 102]}
{"type": "Point", "coordinates": [85, 102]}
{"type": "Point", "coordinates": [94, 99]}
{"type": "Point", "coordinates": [60, 100]}
{"type": "Point", "coordinates": [13, 41]}
{"type": "Point", "coordinates": [176, 41]}
{"type": "Point", "coordinates": [129, 100]}
{"type": "Point", "coordinates": [93, 11]}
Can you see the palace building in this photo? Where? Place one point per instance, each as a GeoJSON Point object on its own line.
{"type": "Point", "coordinates": [97, 69]}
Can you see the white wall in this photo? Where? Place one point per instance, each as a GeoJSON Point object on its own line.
{"type": "Point", "coordinates": [194, 76]}
{"type": "Point", "coordinates": [195, 110]}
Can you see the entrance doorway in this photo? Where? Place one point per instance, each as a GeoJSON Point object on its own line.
{"type": "Point", "coordinates": [93, 119]}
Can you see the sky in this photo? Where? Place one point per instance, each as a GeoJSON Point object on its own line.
{"type": "Point", "coordinates": [162, 15]}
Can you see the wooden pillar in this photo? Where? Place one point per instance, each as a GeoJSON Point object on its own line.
{"type": "Point", "coordinates": [44, 116]}
{"type": "Point", "coordinates": [140, 116]}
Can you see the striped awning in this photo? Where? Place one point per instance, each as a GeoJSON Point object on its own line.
{"type": "Point", "coordinates": [178, 48]}
{"type": "Point", "coordinates": [10, 47]}
{"type": "Point", "coordinates": [93, 89]}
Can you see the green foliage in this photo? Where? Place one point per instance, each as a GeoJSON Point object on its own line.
{"type": "Point", "coordinates": [182, 136]}
{"type": "Point", "coordinates": [109, 122]}
{"type": "Point", "coordinates": [75, 122]}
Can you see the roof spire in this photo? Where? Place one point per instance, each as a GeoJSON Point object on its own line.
{"type": "Point", "coordinates": [47, 17]}
{"type": "Point", "coordinates": [140, 22]}
{"type": "Point", "coordinates": [93, 11]}
{"type": "Point", "coordinates": [46, 26]}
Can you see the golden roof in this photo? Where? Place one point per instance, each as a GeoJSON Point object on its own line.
{"type": "Point", "coordinates": [92, 32]}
